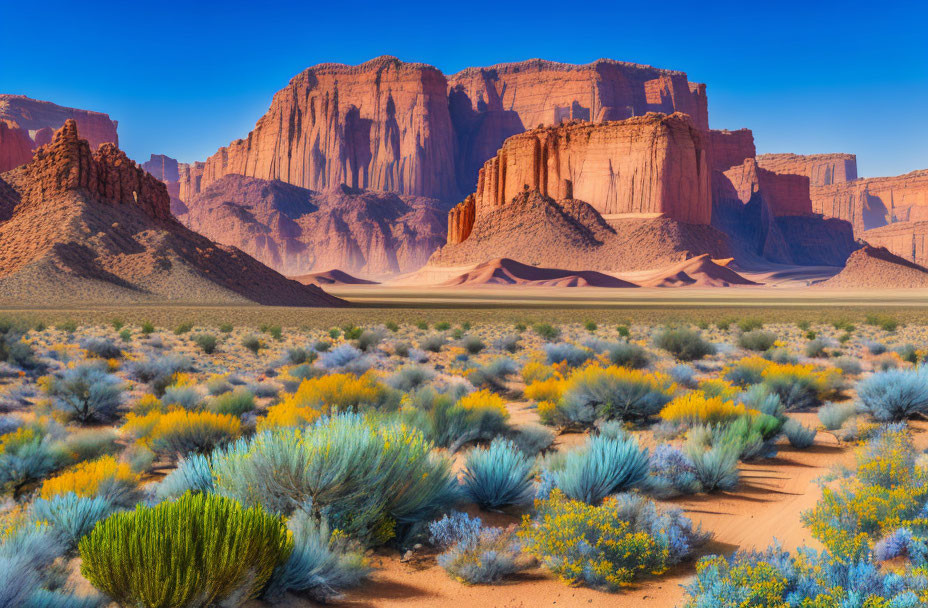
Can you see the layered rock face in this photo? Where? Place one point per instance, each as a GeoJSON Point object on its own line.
{"type": "Point", "coordinates": [25, 121]}
{"type": "Point", "coordinates": [873, 202]}
{"type": "Point", "coordinates": [489, 104]}
{"type": "Point", "coordinates": [382, 125]}
{"type": "Point", "coordinates": [297, 231]}
{"type": "Point", "coordinates": [77, 226]}
{"type": "Point", "coordinates": [163, 167]}
{"type": "Point", "coordinates": [655, 165]}
{"type": "Point", "coordinates": [821, 169]}
{"type": "Point", "coordinates": [908, 240]}
{"type": "Point", "coordinates": [403, 127]}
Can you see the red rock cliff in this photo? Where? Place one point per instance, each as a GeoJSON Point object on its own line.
{"type": "Point", "coordinates": [382, 125]}
{"type": "Point", "coordinates": [32, 121]}
{"type": "Point", "coordinates": [108, 175]}
{"type": "Point", "coordinates": [821, 169]}
{"type": "Point", "coordinates": [873, 202]}
{"type": "Point", "coordinates": [649, 165]}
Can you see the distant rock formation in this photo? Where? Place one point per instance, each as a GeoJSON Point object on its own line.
{"type": "Point", "coordinates": [163, 167]}
{"type": "Point", "coordinates": [908, 240]}
{"type": "Point", "coordinates": [89, 227]}
{"type": "Point", "coordinates": [504, 271]}
{"type": "Point", "coordinates": [875, 201]}
{"type": "Point", "coordinates": [30, 123]}
{"type": "Point", "coordinates": [878, 268]}
{"type": "Point", "coordinates": [297, 231]}
{"type": "Point", "coordinates": [821, 169]}
{"type": "Point", "coordinates": [700, 271]}
{"type": "Point", "coordinates": [406, 128]}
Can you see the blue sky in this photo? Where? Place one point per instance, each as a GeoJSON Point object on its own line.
{"type": "Point", "coordinates": [186, 78]}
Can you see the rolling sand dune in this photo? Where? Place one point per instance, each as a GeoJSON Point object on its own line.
{"type": "Point", "coordinates": [700, 271]}
{"type": "Point", "coordinates": [332, 277]}
{"type": "Point", "coordinates": [505, 271]}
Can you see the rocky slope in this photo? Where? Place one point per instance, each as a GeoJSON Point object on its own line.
{"type": "Point", "coordinates": [83, 227]}
{"type": "Point", "coordinates": [821, 169]}
{"type": "Point", "coordinates": [504, 271]}
{"type": "Point", "coordinates": [570, 234]}
{"type": "Point", "coordinates": [406, 128]}
{"type": "Point", "coordinates": [878, 268]}
{"type": "Point", "coordinates": [26, 124]}
{"type": "Point", "coordinates": [297, 231]}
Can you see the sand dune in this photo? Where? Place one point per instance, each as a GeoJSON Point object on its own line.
{"type": "Point", "coordinates": [877, 268]}
{"type": "Point", "coordinates": [505, 271]}
{"type": "Point", "coordinates": [700, 271]}
{"type": "Point", "coordinates": [332, 277]}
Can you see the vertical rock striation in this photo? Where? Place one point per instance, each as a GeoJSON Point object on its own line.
{"type": "Point", "coordinates": [821, 169]}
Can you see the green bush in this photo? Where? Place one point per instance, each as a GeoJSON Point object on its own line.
{"type": "Point", "coordinates": [252, 343]}
{"type": "Point", "coordinates": [198, 551]}
{"type": "Point", "coordinates": [757, 340]}
{"type": "Point", "coordinates": [747, 325]}
{"type": "Point", "coordinates": [684, 344]}
{"type": "Point", "coordinates": [183, 328]}
{"type": "Point", "coordinates": [147, 328]}
{"type": "Point", "coordinates": [547, 331]}
{"type": "Point", "coordinates": [86, 393]}
{"type": "Point", "coordinates": [206, 342]}
{"type": "Point", "coordinates": [226, 328]}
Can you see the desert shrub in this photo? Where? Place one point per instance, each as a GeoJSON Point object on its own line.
{"type": "Point", "coordinates": [299, 355]}
{"type": "Point", "coordinates": [747, 371]}
{"type": "Point", "coordinates": [888, 491]}
{"type": "Point", "coordinates": [564, 352]}
{"type": "Point", "coordinates": [182, 394]}
{"type": "Point", "coordinates": [757, 340]}
{"type": "Point", "coordinates": [339, 357]}
{"type": "Point", "coordinates": [192, 474]}
{"type": "Point", "coordinates": [322, 564]}
{"type": "Point", "coordinates": [684, 344]}
{"type": "Point", "coordinates": [834, 415]}
{"type": "Point", "coordinates": [102, 348]}
{"type": "Point", "coordinates": [498, 476]}
{"type": "Point", "coordinates": [198, 551]}
{"type": "Point", "coordinates": [263, 390]}
{"type": "Point", "coordinates": [147, 328]}
{"type": "Point", "coordinates": [546, 331]}
{"type": "Point", "coordinates": [104, 477]}
{"type": "Point", "coordinates": [13, 349]}
{"type": "Point", "coordinates": [218, 384]}
{"type": "Point", "coordinates": [850, 366]}
{"type": "Point", "coordinates": [717, 387]}
{"type": "Point", "coordinates": [370, 339]}
{"type": "Point", "coordinates": [27, 455]}
{"type": "Point", "coordinates": [370, 479]}
{"type": "Point", "coordinates": [508, 343]}
{"type": "Point", "coordinates": [759, 397]}
{"type": "Point", "coordinates": [809, 579]}
{"type": "Point", "coordinates": [488, 556]}
{"type": "Point", "coordinates": [70, 516]}
{"type": "Point", "coordinates": [751, 435]}
{"type": "Point", "coordinates": [626, 354]}
{"type": "Point", "coordinates": [86, 393]}
{"type": "Point", "coordinates": [799, 435]}
{"type": "Point", "coordinates": [895, 394]}
{"type": "Point", "coordinates": [274, 331]}
{"type": "Point", "coordinates": [253, 343]}
{"type": "Point", "coordinates": [696, 408]}
{"type": "Point", "coordinates": [494, 374]}
{"type": "Point", "coordinates": [801, 386]}
{"type": "Point", "coordinates": [623, 331]}
{"type": "Point", "coordinates": [234, 403]}
{"type": "Point", "coordinates": [87, 444]}
{"type": "Point", "coordinates": [183, 328]}
{"type": "Point", "coordinates": [533, 438]}
{"type": "Point", "coordinates": [884, 322]}
{"type": "Point", "coordinates": [536, 371]}
{"type": "Point", "coordinates": [875, 348]}
{"type": "Point", "coordinates": [683, 374]}
{"type": "Point", "coordinates": [610, 393]}
{"type": "Point", "coordinates": [26, 557]}
{"type": "Point", "coordinates": [601, 467]}
{"type": "Point", "coordinates": [816, 348]}
{"type": "Point", "coordinates": [433, 342]}
{"type": "Point", "coordinates": [179, 432]}
{"type": "Point", "coordinates": [472, 344]}
{"type": "Point", "coordinates": [452, 422]}
{"type": "Point", "coordinates": [158, 370]}
{"type": "Point", "coordinates": [748, 325]}
{"type": "Point", "coordinates": [671, 473]}
{"type": "Point", "coordinates": [716, 466]}
{"type": "Point", "coordinates": [333, 392]}
{"type": "Point", "coordinates": [610, 545]}
{"type": "Point", "coordinates": [206, 342]}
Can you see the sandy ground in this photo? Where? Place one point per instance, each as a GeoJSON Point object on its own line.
{"type": "Point", "coordinates": [767, 507]}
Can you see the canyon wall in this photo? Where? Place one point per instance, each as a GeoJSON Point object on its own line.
{"type": "Point", "coordinates": [821, 169]}
{"type": "Point", "coordinates": [877, 201]}
{"type": "Point", "coordinates": [30, 122]}
{"type": "Point", "coordinates": [382, 125]}
{"type": "Point", "coordinates": [908, 240]}
{"type": "Point", "coordinates": [651, 165]}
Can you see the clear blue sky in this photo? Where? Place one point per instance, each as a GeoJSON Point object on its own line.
{"type": "Point", "coordinates": [186, 78]}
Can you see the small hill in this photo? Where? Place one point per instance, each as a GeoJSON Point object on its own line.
{"type": "Point", "coordinates": [332, 277]}
{"type": "Point", "coordinates": [82, 227]}
{"type": "Point", "coordinates": [876, 268]}
{"type": "Point", "coordinates": [504, 271]}
{"type": "Point", "coordinates": [700, 271]}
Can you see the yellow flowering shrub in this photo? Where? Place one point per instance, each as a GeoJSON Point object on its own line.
{"type": "Point", "coordinates": [180, 431]}
{"type": "Point", "coordinates": [592, 545]}
{"type": "Point", "coordinates": [545, 390]}
{"type": "Point", "coordinates": [338, 391]}
{"type": "Point", "coordinates": [716, 387]}
{"type": "Point", "coordinates": [147, 403]}
{"type": "Point", "coordinates": [696, 408]}
{"type": "Point", "coordinates": [288, 413]}
{"type": "Point", "coordinates": [102, 477]}
{"type": "Point", "coordinates": [536, 371]}
{"type": "Point", "coordinates": [484, 401]}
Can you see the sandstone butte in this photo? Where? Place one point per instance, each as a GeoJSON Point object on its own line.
{"type": "Point", "coordinates": [77, 225]}
{"type": "Point", "coordinates": [406, 128]}
{"type": "Point", "coordinates": [26, 124]}
{"type": "Point", "coordinates": [821, 169]}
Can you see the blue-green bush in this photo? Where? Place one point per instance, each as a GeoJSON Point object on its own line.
{"type": "Point", "coordinates": [70, 516]}
{"type": "Point", "coordinates": [627, 354]}
{"type": "Point", "coordinates": [895, 394]}
{"type": "Point", "coordinates": [602, 467]}
{"type": "Point", "coordinates": [683, 343]}
{"type": "Point", "coordinates": [498, 476]}
{"type": "Point", "coordinates": [86, 393]}
{"type": "Point", "coordinates": [799, 435]}
{"type": "Point", "coordinates": [565, 352]}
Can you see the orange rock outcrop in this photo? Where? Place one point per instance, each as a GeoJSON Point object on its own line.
{"type": "Point", "coordinates": [877, 201]}
{"type": "Point", "coordinates": [821, 169]}
{"type": "Point", "coordinates": [651, 165]}
{"type": "Point", "coordinates": [30, 122]}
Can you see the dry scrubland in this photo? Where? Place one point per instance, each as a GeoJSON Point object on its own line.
{"type": "Point", "coordinates": [517, 457]}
